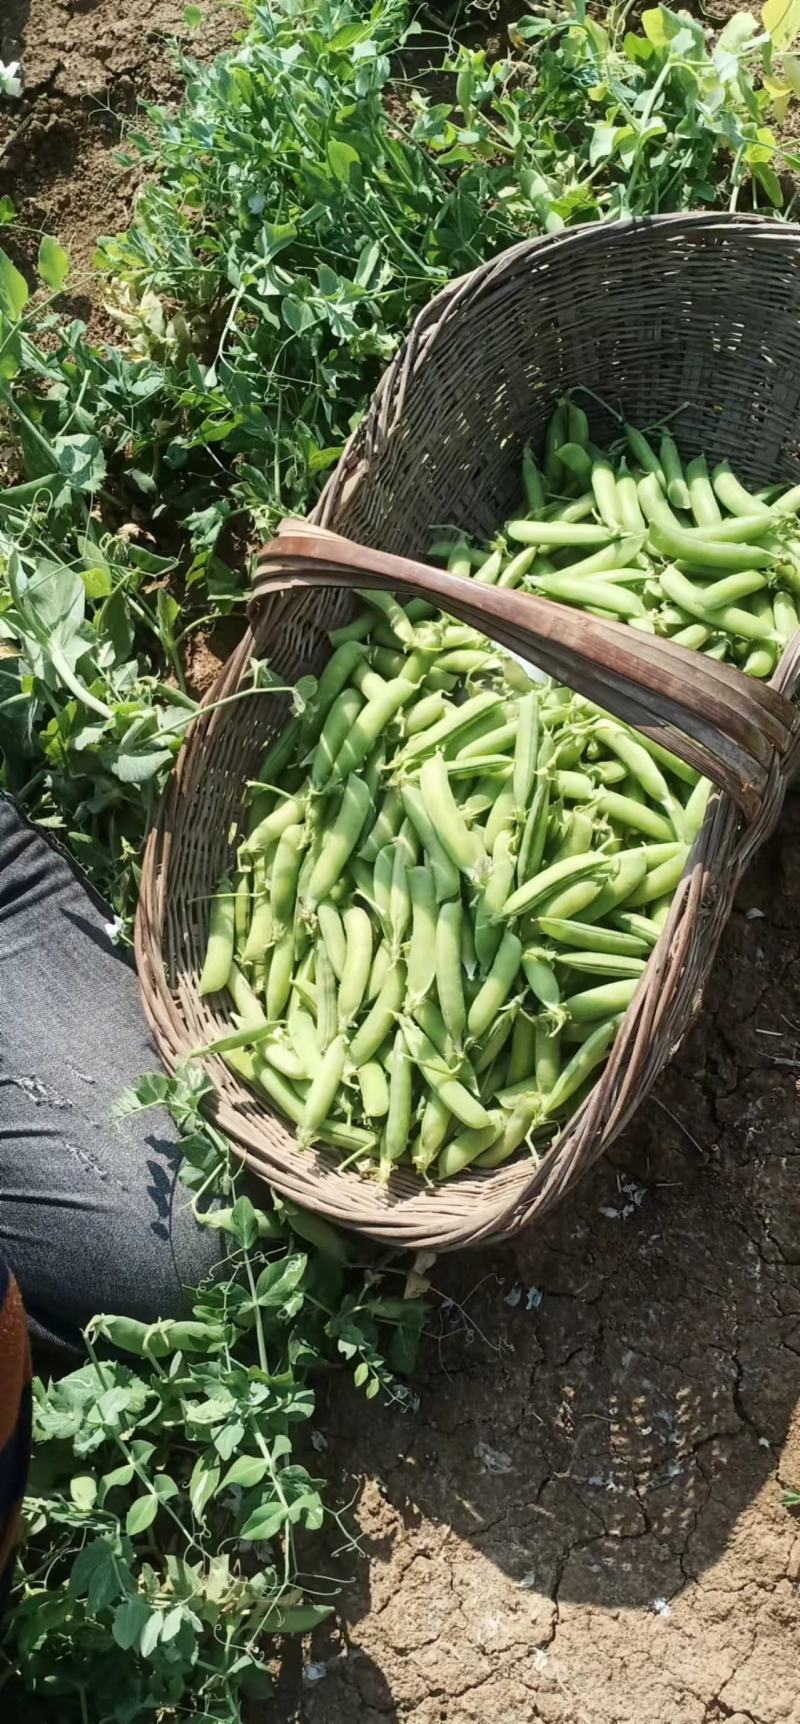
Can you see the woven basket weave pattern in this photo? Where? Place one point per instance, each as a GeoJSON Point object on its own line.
{"type": "Point", "coordinates": [698, 314]}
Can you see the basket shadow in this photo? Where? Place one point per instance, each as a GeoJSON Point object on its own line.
{"type": "Point", "coordinates": [602, 1401]}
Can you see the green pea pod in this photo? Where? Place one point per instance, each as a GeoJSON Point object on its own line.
{"type": "Point", "coordinates": [654, 505]}
{"type": "Point", "coordinates": [406, 848]}
{"type": "Point", "coordinates": [532, 485]}
{"type": "Point", "coordinates": [554, 436]}
{"type": "Point", "coordinates": [425, 713]}
{"type": "Point", "coordinates": [562, 535]}
{"type": "Point", "coordinates": [541, 978]}
{"type": "Point", "coordinates": [463, 845]}
{"type": "Point", "coordinates": [702, 502]}
{"type": "Point", "coordinates": [289, 812]}
{"type": "Point", "coordinates": [547, 1065]}
{"type": "Point", "coordinates": [538, 888]}
{"type": "Point", "coordinates": [369, 724]}
{"type": "Point", "coordinates": [374, 1089]}
{"type": "Point", "coordinates": [729, 617]}
{"type": "Point", "coordinates": [421, 952]}
{"type": "Point", "coordinates": [522, 1061]}
{"type": "Point", "coordinates": [676, 486]}
{"type": "Point", "coordinates": [597, 963]}
{"type": "Point", "coordinates": [707, 553]}
{"type": "Point", "coordinates": [488, 914]}
{"type": "Point", "coordinates": [610, 997]}
{"type": "Point", "coordinates": [398, 1118]}
{"type": "Point", "coordinates": [219, 951]}
{"type": "Point", "coordinates": [534, 835]}
{"type": "Point", "coordinates": [583, 935]}
{"type": "Point", "coordinates": [379, 970]}
{"type": "Point", "coordinates": [434, 1126]}
{"type": "Point", "coordinates": [389, 608]}
{"type": "Point", "coordinates": [327, 1004]}
{"type": "Point", "coordinates": [659, 880]}
{"type": "Point", "coordinates": [337, 726]}
{"type": "Point", "coordinates": [605, 493]}
{"type": "Point", "coordinates": [494, 992]}
{"type": "Point", "coordinates": [340, 841]}
{"type": "Point", "coordinates": [492, 1045]}
{"type": "Point", "coordinates": [323, 1090]}
{"type": "Point", "coordinates": [576, 460]}
{"type": "Point", "coordinates": [356, 966]}
{"type": "Point", "coordinates": [639, 927]}
{"type": "Point", "coordinates": [630, 514]}
{"type": "Point", "coordinates": [468, 1144]}
{"type": "Point", "coordinates": [486, 575]}
{"type": "Point", "coordinates": [382, 886]}
{"type": "Point", "coordinates": [336, 675]}
{"type": "Point", "coordinates": [628, 871]}
{"type": "Point", "coordinates": [582, 1064]}
{"type": "Point", "coordinates": [457, 718]}
{"type": "Point", "coordinates": [380, 1019]}
{"type": "Point", "coordinates": [447, 959]}
{"type": "Point", "coordinates": [526, 748]}
{"type": "Point", "coordinates": [644, 454]}
{"type": "Point", "coordinates": [517, 1126]}
{"type": "Point", "coordinates": [286, 867]}
{"type": "Point", "coordinates": [279, 979]}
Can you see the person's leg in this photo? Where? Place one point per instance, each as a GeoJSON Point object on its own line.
{"type": "Point", "coordinates": [91, 1215]}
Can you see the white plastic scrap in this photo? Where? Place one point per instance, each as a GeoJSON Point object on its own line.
{"type": "Point", "coordinates": [10, 80]}
{"type": "Point", "coordinates": [315, 1672]}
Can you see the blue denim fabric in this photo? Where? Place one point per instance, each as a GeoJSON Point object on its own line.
{"type": "Point", "coordinates": [92, 1217]}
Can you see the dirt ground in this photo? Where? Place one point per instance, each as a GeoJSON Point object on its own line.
{"type": "Point", "coordinates": [583, 1522]}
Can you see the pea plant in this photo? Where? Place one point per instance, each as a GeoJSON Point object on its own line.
{"type": "Point", "coordinates": [171, 1473]}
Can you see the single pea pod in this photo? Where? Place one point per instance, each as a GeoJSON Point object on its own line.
{"type": "Point", "coordinates": [516, 1129]}
{"type": "Point", "coordinates": [539, 887]}
{"type": "Point", "coordinates": [337, 674]}
{"type": "Point", "coordinates": [462, 844]}
{"type": "Point", "coordinates": [406, 849]}
{"type": "Point", "coordinates": [583, 935]}
{"type": "Point", "coordinates": [497, 986]}
{"type": "Point", "coordinates": [676, 486]}
{"type": "Point", "coordinates": [644, 454]}
{"type": "Point", "coordinates": [614, 965]}
{"type": "Point", "coordinates": [447, 880]}
{"type": "Point", "coordinates": [421, 950]}
{"type": "Point", "coordinates": [576, 1071]}
{"type": "Point", "coordinates": [369, 724]}
{"type": "Point", "coordinates": [532, 485]}
{"type": "Point", "coordinates": [393, 612]}
{"type": "Point", "coordinates": [526, 748]}
{"type": "Point", "coordinates": [610, 997]}
{"type": "Point", "coordinates": [398, 1118]}
{"type": "Point", "coordinates": [357, 964]}
{"type": "Point", "coordinates": [447, 958]}
{"type": "Point", "coordinates": [289, 812]}
{"type": "Point", "coordinates": [522, 1060]}
{"type": "Point", "coordinates": [489, 910]}
{"type": "Point", "coordinates": [219, 951]}
{"type": "Point", "coordinates": [339, 843]}
{"type": "Point", "coordinates": [323, 1090]}
{"type": "Point", "coordinates": [380, 1019]}
{"type": "Point", "coordinates": [337, 726]}
{"type": "Point", "coordinates": [281, 969]}
{"type": "Point", "coordinates": [374, 1089]}
{"type": "Point", "coordinates": [434, 1126]}
{"type": "Point", "coordinates": [327, 1005]}
{"type": "Point", "coordinates": [286, 867]}
{"type": "Point", "coordinates": [702, 502]}
{"type": "Point", "coordinates": [468, 1144]}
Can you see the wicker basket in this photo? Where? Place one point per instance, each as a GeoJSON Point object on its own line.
{"type": "Point", "coordinates": [698, 313]}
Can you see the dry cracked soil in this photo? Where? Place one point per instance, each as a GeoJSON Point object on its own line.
{"type": "Point", "coordinates": [583, 1522]}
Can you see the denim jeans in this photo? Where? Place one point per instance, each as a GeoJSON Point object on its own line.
{"type": "Point", "coordinates": [92, 1217]}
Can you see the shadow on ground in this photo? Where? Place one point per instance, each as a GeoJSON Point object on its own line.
{"type": "Point", "coordinates": [584, 1519]}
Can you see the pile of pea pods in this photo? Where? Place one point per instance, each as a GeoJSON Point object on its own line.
{"type": "Point", "coordinates": [453, 875]}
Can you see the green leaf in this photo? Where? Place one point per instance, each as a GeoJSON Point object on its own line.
{"type": "Point", "coordinates": [203, 1485]}
{"type": "Point", "coordinates": [164, 1487]}
{"type": "Point", "coordinates": [96, 582]}
{"type": "Point", "coordinates": [80, 458]}
{"type": "Point", "coordinates": [279, 1279]}
{"type": "Point", "coordinates": [244, 1223]}
{"type": "Point", "coordinates": [247, 1471]}
{"type": "Point", "coordinates": [781, 20]}
{"type": "Point", "coordinates": [341, 158]}
{"type": "Point", "coordinates": [151, 1634]}
{"type": "Point", "coordinates": [52, 262]}
{"type": "Point", "coordinates": [141, 1514]}
{"type": "Point", "coordinates": [7, 212]}
{"type": "Point", "coordinates": [192, 16]}
{"type": "Point", "coordinates": [264, 1522]}
{"type": "Point", "coordinates": [13, 290]}
{"type": "Point", "coordinates": [129, 1620]}
{"type": "Point", "coordinates": [297, 314]}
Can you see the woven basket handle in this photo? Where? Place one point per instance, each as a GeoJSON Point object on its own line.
{"type": "Point", "coordinates": [732, 728]}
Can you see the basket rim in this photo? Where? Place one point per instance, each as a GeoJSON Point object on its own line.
{"type": "Point", "coordinates": [495, 1203]}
